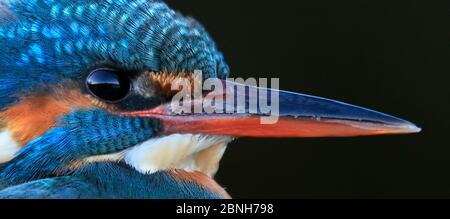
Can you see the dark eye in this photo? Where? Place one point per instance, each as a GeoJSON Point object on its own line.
{"type": "Point", "coordinates": [108, 84]}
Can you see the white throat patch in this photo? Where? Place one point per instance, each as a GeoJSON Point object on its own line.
{"type": "Point", "coordinates": [8, 147]}
{"type": "Point", "coordinates": [187, 152]}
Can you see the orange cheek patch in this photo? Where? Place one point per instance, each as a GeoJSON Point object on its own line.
{"type": "Point", "coordinates": [200, 179]}
{"type": "Point", "coordinates": [34, 115]}
{"type": "Point", "coordinates": [164, 81]}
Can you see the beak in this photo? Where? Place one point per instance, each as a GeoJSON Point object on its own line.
{"type": "Point", "coordinates": [248, 111]}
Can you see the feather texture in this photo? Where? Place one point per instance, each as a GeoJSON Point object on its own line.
{"type": "Point", "coordinates": [46, 41]}
{"type": "Point", "coordinates": [106, 180]}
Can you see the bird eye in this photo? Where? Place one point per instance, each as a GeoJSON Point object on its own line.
{"type": "Point", "coordinates": [108, 84]}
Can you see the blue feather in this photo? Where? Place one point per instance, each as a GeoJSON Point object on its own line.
{"type": "Point", "coordinates": [106, 180]}
{"type": "Point", "coordinates": [46, 42]}
{"type": "Point", "coordinates": [78, 135]}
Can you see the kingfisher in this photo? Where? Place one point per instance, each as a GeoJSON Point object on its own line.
{"type": "Point", "coordinates": [87, 110]}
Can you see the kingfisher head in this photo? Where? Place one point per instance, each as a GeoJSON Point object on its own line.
{"type": "Point", "coordinates": [92, 81]}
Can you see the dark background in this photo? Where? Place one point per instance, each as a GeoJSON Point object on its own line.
{"type": "Point", "coordinates": [391, 56]}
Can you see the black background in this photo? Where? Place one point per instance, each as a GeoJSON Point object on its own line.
{"type": "Point", "coordinates": [391, 56]}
